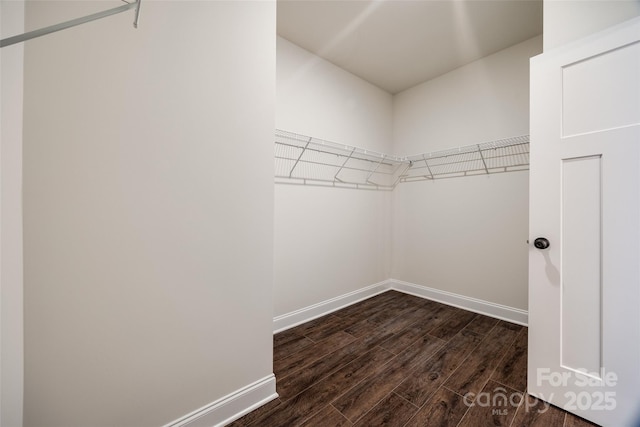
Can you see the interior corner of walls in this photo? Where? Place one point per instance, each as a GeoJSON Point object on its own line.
{"type": "Point", "coordinates": [232, 406]}
{"type": "Point", "coordinates": [498, 311]}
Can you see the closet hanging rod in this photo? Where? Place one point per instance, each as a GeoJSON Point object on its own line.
{"type": "Point", "coordinates": [72, 23]}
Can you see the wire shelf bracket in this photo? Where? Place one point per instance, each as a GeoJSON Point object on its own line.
{"type": "Point", "coordinates": [305, 160]}
{"type": "Point", "coordinates": [73, 23]}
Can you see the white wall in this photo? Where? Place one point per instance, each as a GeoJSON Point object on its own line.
{"type": "Point", "coordinates": [11, 333]}
{"type": "Point", "coordinates": [148, 200]}
{"type": "Point", "coordinates": [328, 241]}
{"type": "Point", "coordinates": [465, 235]}
{"type": "Point", "coordinates": [569, 20]}
{"type": "Point", "coordinates": [317, 98]}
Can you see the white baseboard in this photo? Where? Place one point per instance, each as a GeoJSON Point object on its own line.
{"type": "Point", "coordinates": [510, 314]}
{"type": "Point", "coordinates": [289, 320]}
{"type": "Point", "coordinates": [503, 312]}
{"type": "Point", "coordinates": [231, 407]}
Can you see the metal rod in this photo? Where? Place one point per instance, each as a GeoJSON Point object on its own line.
{"type": "Point", "coordinates": [278, 179]}
{"type": "Point", "coordinates": [407, 166]}
{"type": "Point", "coordinates": [299, 157]}
{"type": "Point", "coordinates": [483, 162]}
{"type": "Point", "coordinates": [72, 23]}
{"type": "Point", "coordinates": [427, 163]}
{"type": "Point", "coordinates": [343, 164]}
{"type": "Point", "coordinates": [375, 169]}
{"type": "Point", "coordinates": [137, 15]}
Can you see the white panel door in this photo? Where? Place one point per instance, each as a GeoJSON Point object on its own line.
{"type": "Point", "coordinates": [584, 288]}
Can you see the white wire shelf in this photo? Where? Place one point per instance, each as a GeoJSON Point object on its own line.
{"type": "Point", "coordinates": [504, 155]}
{"type": "Point", "coordinates": [306, 160]}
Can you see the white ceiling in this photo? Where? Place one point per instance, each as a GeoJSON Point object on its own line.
{"type": "Point", "coordinates": [396, 44]}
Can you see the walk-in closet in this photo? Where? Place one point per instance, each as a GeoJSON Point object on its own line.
{"type": "Point", "coordinates": [210, 207]}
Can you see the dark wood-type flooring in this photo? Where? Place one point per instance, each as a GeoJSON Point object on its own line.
{"type": "Point", "coordinates": [400, 360]}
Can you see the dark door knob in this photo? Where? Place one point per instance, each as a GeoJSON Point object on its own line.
{"type": "Point", "coordinates": [541, 243]}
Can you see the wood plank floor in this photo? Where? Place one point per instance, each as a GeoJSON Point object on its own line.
{"type": "Point", "coordinates": [400, 360]}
